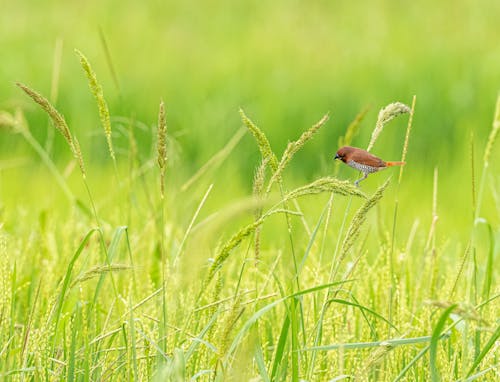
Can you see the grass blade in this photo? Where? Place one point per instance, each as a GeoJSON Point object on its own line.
{"type": "Point", "coordinates": [491, 342]}
{"type": "Point", "coordinates": [436, 335]}
{"type": "Point", "coordinates": [56, 313]}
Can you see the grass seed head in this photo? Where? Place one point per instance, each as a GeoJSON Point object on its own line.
{"type": "Point", "coordinates": [262, 141]}
{"type": "Point", "coordinates": [293, 147]}
{"type": "Point", "coordinates": [493, 134]}
{"type": "Point", "coordinates": [79, 157]}
{"type": "Point", "coordinates": [326, 184]}
{"type": "Point", "coordinates": [102, 105]}
{"type": "Point", "coordinates": [386, 115]}
{"type": "Point", "coordinates": [358, 220]}
{"type": "Point", "coordinates": [57, 119]}
{"type": "Point", "coordinates": [162, 146]}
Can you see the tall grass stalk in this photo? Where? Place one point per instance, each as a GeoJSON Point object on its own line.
{"type": "Point", "coordinates": [102, 105]}
{"type": "Point", "coordinates": [396, 200]}
{"type": "Point", "coordinates": [487, 153]}
{"type": "Point", "coordinates": [162, 148]}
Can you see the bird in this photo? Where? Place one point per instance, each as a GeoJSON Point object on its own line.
{"type": "Point", "coordinates": [363, 161]}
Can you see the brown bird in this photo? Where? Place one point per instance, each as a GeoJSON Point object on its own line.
{"type": "Point", "coordinates": [363, 161]}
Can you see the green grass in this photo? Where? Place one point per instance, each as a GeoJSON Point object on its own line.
{"type": "Point", "coordinates": [170, 208]}
{"type": "Point", "coordinates": [338, 287]}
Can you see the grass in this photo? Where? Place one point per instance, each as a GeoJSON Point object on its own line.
{"type": "Point", "coordinates": [230, 246]}
{"type": "Point", "coordinates": [154, 283]}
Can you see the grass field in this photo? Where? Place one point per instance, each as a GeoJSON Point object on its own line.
{"type": "Point", "coordinates": [170, 208]}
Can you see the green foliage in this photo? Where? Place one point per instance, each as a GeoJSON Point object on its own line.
{"type": "Point", "coordinates": [120, 279]}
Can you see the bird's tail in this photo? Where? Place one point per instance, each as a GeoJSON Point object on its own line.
{"type": "Point", "coordinates": [390, 164]}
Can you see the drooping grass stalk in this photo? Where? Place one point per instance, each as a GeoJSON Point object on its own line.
{"type": "Point", "coordinates": [386, 115]}
{"type": "Point", "coordinates": [57, 119]}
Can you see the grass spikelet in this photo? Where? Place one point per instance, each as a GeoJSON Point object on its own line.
{"type": "Point", "coordinates": [358, 220]}
{"type": "Point", "coordinates": [162, 147]}
{"type": "Point", "coordinates": [326, 184]}
{"type": "Point", "coordinates": [102, 105]}
{"type": "Point", "coordinates": [352, 129]}
{"type": "Point", "coordinates": [386, 115]}
{"type": "Point", "coordinates": [232, 243]}
{"type": "Point", "coordinates": [262, 141]}
{"type": "Point", "coordinates": [97, 271]}
{"type": "Point", "coordinates": [57, 119]}
{"type": "Point", "coordinates": [258, 188]}
{"type": "Point", "coordinates": [293, 147]}
{"type": "Point", "coordinates": [235, 240]}
{"type": "Point", "coordinates": [493, 134]}
{"type": "Point", "coordinates": [229, 322]}
{"type": "Point", "coordinates": [79, 157]}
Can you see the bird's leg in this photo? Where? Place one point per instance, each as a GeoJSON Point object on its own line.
{"type": "Point", "coordinates": [365, 175]}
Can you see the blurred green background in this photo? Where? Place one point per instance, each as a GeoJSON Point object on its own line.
{"type": "Point", "coordinates": [286, 63]}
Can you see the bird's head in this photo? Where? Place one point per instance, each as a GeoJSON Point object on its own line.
{"type": "Point", "coordinates": [342, 153]}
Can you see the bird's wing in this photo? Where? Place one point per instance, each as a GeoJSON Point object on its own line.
{"type": "Point", "coordinates": [367, 159]}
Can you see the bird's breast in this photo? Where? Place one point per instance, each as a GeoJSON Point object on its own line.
{"type": "Point", "coordinates": [363, 167]}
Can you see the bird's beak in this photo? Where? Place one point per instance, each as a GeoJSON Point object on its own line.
{"type": "Point", "coordinates": [336, 156]}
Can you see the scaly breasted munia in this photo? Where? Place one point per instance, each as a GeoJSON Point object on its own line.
{"type": "Point", "coordinates": [363, 161]}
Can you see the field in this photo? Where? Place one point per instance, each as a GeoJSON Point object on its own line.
{"type": "Point", "coordinates": [171, 210]}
